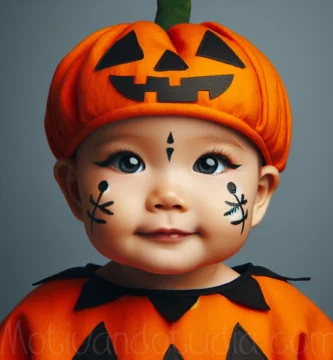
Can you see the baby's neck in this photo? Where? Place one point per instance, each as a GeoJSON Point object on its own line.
{"type": "Point", "coordinates": [208, 276]}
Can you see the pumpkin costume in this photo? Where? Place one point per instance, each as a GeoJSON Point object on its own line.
{"type": "Point", "coordinates": [208, 72]}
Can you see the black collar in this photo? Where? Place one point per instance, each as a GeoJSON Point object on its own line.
{"type": "Point", "coordinates": [171, 304]}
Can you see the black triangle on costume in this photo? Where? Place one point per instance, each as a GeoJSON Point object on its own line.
{"type": "Point", "coordinates": [242, 347]}
{"type": "Point", "coordinates": [254, 299]}
{"type": "Point", "coordinates": [94, 292]}
{"type": "Point", "coordinates": [125, 50]}
{"type": "Point", "coordinates": [172, 308]}
{"type": "Point", "coordinates": [213, 47]}
{"type": "Point", "coordinates": [172, 353]}
{"type": "Point", "coordinates": [170, 61]}
{"type": "Point", "coordinates": [96, 346]}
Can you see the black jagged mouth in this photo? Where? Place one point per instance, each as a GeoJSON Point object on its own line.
{"type": "Point", "coordinates": [187, 91]}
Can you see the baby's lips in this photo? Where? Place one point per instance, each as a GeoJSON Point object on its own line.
{"type": "Point", "coordinates": [165, 230]}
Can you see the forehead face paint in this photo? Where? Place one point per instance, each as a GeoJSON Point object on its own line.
{"type": "Point", "coordinates": [170, 150]}
{"type": "Point", "coordinates": [102, 186]}
{"type": "Point", "coordinates": [236, 206]}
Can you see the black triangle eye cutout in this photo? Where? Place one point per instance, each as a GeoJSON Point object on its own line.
{"type": "Point", "coordinates": [212, 47]}
{"type": "Point", "coordinates": [170, 61]}
{"type": "Point", "coordinates": [125, 50]}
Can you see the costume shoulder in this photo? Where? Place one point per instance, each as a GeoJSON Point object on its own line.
{"type": "Point", "coordinates": [56, 290]}
{"type": "Point", "coordinates": [292, 309]}
{"type": "Point", "coordinates": [279, 291]}
{"type": "Point", "coordinates": [52, 300]}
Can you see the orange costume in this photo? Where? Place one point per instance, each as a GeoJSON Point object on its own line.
{"type": "Point", "coordinates": [77, 314]}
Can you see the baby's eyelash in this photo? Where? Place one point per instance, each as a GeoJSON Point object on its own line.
{"type": "Point", "coordinates": [110, 152]}
{"type": "Point", "coordinates": [224, 156]}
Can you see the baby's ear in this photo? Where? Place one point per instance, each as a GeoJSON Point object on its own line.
{"type": "Point", "coordinates": [65, 173]}
{"type": "Point", "coordinates": [269, 180]}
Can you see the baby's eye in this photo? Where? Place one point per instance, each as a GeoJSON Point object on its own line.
{"type": "Point", "coordinates": [126, 162]}
{"type": "Point", "coordinates": [210, 164]}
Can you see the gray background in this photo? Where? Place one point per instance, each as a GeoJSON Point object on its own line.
{"type": "Point", "coordinates": [39, 235]}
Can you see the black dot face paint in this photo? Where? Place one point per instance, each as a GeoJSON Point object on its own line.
{"type": "Point", "coordinates": [102, 187]}
{"type": "Point", "coordinates": [170, 150]}
{"type": "Point", "coordinates": [236, 205]}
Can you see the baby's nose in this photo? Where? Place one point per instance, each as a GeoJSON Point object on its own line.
{"type": "Point", "coordinates": [167, 200]}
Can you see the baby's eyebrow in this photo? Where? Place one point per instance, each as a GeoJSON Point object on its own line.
{"type": "Point", "coordinates": [118, 137]}
{"type": "Point", "coordinates": [221, 139]}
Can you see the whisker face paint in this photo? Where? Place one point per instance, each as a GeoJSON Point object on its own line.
{"type": "Point", "coordinates": [102, 187]}
{"type": "Point", "coordinates": [170, 150]}
{"type": "Point", "coordinates": [236, 206]}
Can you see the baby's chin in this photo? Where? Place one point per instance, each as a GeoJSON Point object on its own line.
{"type": "Point", "coordinates": [164, 264]}
{"type": "Point", "coordinates": [169, 265]}
{"type": "Point", "coordinates": [175, 266]}
{"type": "Point", "coordinates": [167, 270]}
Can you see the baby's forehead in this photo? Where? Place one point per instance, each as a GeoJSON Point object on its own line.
{"type": "Point", "coordinates": [167, 128]}
{"type": "Point", "coordinates": [157, 133]}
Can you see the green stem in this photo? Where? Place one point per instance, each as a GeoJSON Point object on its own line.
{"type": "Point", "coordinates": [172, 12]}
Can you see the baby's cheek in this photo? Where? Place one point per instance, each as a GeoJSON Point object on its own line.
{"type": "Point", "coordinates": [236, 206]}
{"type": "Point", "coordinates": [237, 213]}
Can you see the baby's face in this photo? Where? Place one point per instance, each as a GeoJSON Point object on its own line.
{"type": "Point", "coordinates": [140, 175]}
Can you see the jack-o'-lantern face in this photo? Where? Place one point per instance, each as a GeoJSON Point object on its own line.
{"type": "Point", "coordinates": [128, 50]}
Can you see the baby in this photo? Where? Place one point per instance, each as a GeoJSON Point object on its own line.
{"type": "Point", "coordinates": [170, 138]}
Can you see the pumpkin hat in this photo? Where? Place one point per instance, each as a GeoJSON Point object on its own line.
{"type": "Point", "coordinates": [168, 67]}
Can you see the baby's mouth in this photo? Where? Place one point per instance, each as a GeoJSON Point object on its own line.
{"type": "Point", "coordinates": [166, 235]}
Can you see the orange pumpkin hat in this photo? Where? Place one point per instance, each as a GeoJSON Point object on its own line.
{"type": "Point", "coordinates": [169, 67]}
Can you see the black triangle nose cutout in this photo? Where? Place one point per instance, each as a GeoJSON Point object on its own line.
{"type": "Point", "coordinates": [125, 50]}
{"type": "Point", "coordinates": [213, 47]}
{"type": "Point", "coordinates": [170, 61]}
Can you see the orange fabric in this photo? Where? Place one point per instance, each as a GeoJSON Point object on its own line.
{"type": "Point", "coordinates": [43, 326]}
{"type": "Point", "coordinates": [82, 99]}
